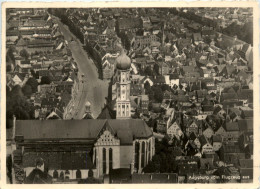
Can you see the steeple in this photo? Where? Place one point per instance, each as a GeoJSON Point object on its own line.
{"type": "Point", "coordinates": [88, 114]}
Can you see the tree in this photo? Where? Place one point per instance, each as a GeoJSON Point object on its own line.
{"type": "Point", "coordinates": [166, 39]}
{"type": "Point", "coordinates": [156, 69]}
{"type": "Point", "coordinates": [27, 90]}
{"type": "Point", "coordinates": [35, 74]}
{"type": "Point", "coordinates": [7, 91]}
{"type": "Point", "coordinates": [207, 40]}
{"type": "Point", "coordinates": [244, 32]}
{"type": "Point", "coordinates": [24, 54]}
{"type": "Point", "coordinates": [147, 87]}
{"type": "Point", "coordinates": [8, 68]}
{"type": "Point", "coordinates": [165, 87]}
{"type": "Point", "coordinates": [158, 93]}
{"type": "Point", "coordinates": [10, 55]}
{"type": "Point", "coordinates": [148, 71]}
{"type": "Point", "coordinates": [163, 160]}
{"type": "Point", "coordinates": [16, 91]}
{"type": "Point", "coordinates": [9, 167]}
{"type": "Point", "coordinates": [17, 104]}
{"type": "Point", "coordinates": [33, 83]}
{"type": "Point", "coordinates": [45, 80]}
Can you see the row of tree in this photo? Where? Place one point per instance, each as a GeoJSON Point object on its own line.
{"type": "Point", "coordinates": [243, 32]}
{"type": "Point", "coordinates": [73, 27]}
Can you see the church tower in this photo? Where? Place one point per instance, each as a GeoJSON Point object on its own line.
{"type": "Point", "coordinates": [88, 114]}
{"type": "Point", "coordinates": [123, 105]}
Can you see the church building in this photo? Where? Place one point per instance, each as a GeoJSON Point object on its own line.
{"type": "Point", "coordinates": [71, 148]}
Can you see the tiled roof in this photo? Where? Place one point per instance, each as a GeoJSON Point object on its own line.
{"type": "Point", "coordinates": [231, 148]}
{"type": "Point", "coordinates": [232, 126]}
{"type": "Point", "coordinates": [217, 138]}
{"type": "Point", "coordinates": [69, 129]}
{"type": "Point", "coordinates": [38, 177]}
{"type": "Point", "coordinates": [127, 23]}
{"type": "Point", "coordinates": [59, 160]}
{"type": "Point", "coordinates": [203, 140]}
{"type": "Point", "coordinates": [245, 124]}
{"type": "Point", "coordinates": [107, 113]}
{"type": "Point", "coordinates": [208, 108]}
{"type": "Point", "coordinates": [246, 163]}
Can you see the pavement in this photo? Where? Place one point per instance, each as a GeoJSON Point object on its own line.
{"type": "Point", "coordinates": [91, 88]}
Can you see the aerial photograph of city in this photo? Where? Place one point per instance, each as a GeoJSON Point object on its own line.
{"type": "Point", "coordinates": [129, 95]}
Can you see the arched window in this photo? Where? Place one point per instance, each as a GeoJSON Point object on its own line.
{"type": "Point", "coordinates": [137, 155]}
{"type": "Point", "coordinates": [95, 158]}
{"type": "Point", "coordinates": [61, 175]}
{"type": "Point", "coordinates": [143, 154]}
{"type": "Point", "coordinates": [78, 174]}
{"type": "Point", "coordinates": [149, 150]}
{"type": "Point", "coordinates": [55, 174]}
{"type": "Point", "coordinates": [110, 159]}
{"type": "Point", "coordinates": [104, 161]}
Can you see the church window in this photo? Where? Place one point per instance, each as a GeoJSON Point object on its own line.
{"type": "Point", "coordinates": [78, 174]}
{"type": "Point", "coordinates": [55, 174]}
{"type": "Point", "coordinates": [123, 107]}
{"type": "Point", "coordinates": [110, 158]}
{"type": "Point", "coordinates": [104, 161]}
{"type": "Point", "coordinates": [136, 155]}
{"type": "Point", "coordinates": [95, 157]}
{"type": "Point", "coordinates": [143, 154]}
{"type": "Point", "coordinates": [149, 146]}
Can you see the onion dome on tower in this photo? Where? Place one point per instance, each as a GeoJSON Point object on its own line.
{"type": "Point", "coordinates": [123, 62]}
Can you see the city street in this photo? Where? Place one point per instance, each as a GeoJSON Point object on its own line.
{"type": "Point", "coordinates": [91, 88]}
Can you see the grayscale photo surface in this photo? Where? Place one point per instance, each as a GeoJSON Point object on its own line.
{"type": "Point", "coordinates": [129, 95]}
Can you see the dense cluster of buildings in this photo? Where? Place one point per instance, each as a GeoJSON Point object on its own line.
{"type": "Point", "coordinates": [171, 78]}
{"type": "Point", "coordinates": [40, 53]}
